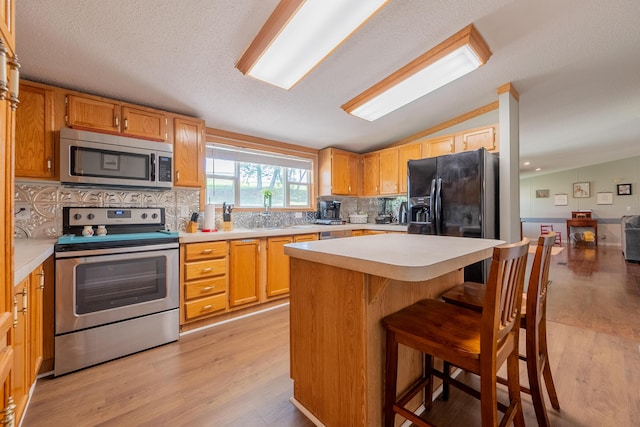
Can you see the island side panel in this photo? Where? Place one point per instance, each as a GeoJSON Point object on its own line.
{"type": "Point", "coordinates": [337, 339]}
{"type": "Point", "coordinates": [384, 297]}
{"type": "Point", "coordinates": [327, 324]}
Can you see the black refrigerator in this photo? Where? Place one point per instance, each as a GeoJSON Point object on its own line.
{"type": "Point", "coordinates": [455, 195]}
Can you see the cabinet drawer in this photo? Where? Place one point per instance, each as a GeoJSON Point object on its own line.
{"type": "Point", "coordinates": [203, 288]}
{"type": "Point", "coordinates": [203, 269]}
{"type": "Point", "coordinates": [205, 306]}
{"type": "Point", "coordinates": [205, 250]}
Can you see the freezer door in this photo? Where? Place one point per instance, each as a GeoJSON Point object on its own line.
{"type": "Point", "coordinates": [421, 175]}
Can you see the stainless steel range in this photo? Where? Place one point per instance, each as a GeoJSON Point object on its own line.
{"type": "Point", "coordinates": [116, 294]}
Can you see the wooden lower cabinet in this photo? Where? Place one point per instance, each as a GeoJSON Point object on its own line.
{"type": "Point", "coordinates": [204, 279]}
{"type": "Point", "coordinates": [277, 266]}
{"type": "Point", "coordinates": [244, 271]}
{"type": "Point", "coordinates": [20, 375]}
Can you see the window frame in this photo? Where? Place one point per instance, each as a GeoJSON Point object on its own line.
{"type": "Point", "coordinates": [276, 148]}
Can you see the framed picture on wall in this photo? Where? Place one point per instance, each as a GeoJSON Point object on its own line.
{"type": "Point", "coordinates": [624, 189]}
{"type": "Point", "coordinates": [581, 190]}
{"type": "Point", "coordinates": [604, 198]}
{"type": "Point", "coordinates": [542, 194]}
{"type": "Point", "coordinates": [560, 199]}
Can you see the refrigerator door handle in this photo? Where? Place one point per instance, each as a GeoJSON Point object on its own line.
{"type": "Point", "coordinates": [438, 205]}
{"type": "Point", "coordinates": [432, 201]}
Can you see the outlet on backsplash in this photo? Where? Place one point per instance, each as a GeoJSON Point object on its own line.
{"type": "Point", "coordinates": [22, 211]}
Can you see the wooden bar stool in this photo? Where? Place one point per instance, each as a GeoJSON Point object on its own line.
{"type": "Point", "coordinates": [533, 319]}
{"type": "Point", "coordinates": [477, 342]}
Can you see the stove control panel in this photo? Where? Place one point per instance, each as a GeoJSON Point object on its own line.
{"type": "Point", "coordinates": [81, 216]}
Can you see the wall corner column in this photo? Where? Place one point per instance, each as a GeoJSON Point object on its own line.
{"type": "Point", "coordinates": [509, 120]}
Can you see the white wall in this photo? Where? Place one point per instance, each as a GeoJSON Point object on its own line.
{"type": "Point", "coordinates": [602, 178]}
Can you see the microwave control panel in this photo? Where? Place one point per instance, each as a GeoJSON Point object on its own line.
{"type": "Point", "coordinates": [164, 169]}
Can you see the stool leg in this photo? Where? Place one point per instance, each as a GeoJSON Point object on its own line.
{"type": "Point", "coordinates": [534, 373]}
{"type": "Point", "coordinates": [546, 370]}
{"type": "Point", "coordinates": [513, 378]}
{"type": "Point", "coordinates": [428, 389]}
{"type": "Point", "coordinates": [391, 376]}
{"type": "Point", "coordinates": [446, 370]}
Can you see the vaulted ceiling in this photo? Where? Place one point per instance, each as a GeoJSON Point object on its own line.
{"type": "Point", "coordinates": [575, 63]}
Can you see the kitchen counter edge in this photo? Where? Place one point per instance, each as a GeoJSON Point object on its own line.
{"type": "Point", "coordinates": [28, 255]}
{"type": "Point", "coordinates": [253, 233]}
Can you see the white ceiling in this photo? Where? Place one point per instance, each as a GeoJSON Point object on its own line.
{"type": "Point", "coordinates": [575, 63]}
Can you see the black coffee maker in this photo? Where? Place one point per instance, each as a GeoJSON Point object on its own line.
{"type": "Point", "coordinates": [329, 210]}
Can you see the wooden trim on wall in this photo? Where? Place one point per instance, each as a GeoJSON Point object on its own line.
{"type": "Point", "coordinates": [508, 87]}
{"type": "Point", "coordinates": [248, 141]}
{"type": "Point", "coordinates": [444, 125]}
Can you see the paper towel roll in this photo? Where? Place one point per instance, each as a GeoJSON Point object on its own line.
{"type": "Point", "coordinates": [209, 218]}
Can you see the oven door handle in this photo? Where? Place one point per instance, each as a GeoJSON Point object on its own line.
{"type": "Point", "coordinates": [110, 251]}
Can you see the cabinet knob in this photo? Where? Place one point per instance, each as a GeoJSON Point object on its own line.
{"type": "Point", "coordinates": [49, 163]}
{"type": "Point", "coordinates": [206, 251]}
{"type": "Point", "coordinates": [207, 307]}
{"type": "Point", "coordinates": [126, 124]}
{"type": "Point", "coordinates": [207, 288]}
{"type": "Point", "coordinates": [117, 121]}
{"type": "Point", "coordinates": [206, 270]}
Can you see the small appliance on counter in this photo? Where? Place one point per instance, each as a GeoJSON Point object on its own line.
{"type": "Point", "coordinates": [402, 214]}
{"type": "Point", "coordinates": [328, 213]}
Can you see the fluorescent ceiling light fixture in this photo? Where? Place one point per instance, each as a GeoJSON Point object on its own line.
{"type": "Point", "coordinates": [301, 33]}
{"type": "Point", "coordinates": [453, 58]}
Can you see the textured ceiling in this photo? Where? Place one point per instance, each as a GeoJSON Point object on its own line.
{"type": "Point", "coordinates": [575, 63]}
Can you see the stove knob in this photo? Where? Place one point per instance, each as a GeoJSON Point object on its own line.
{"type": "Point", "coordinates": [154, 216]}
{"type": "Point", "coordinates": [91, 216]}
{"type": "Point", "coordinates": [144, 216]}
{"type": "Point", "coordinates": [77, 216]}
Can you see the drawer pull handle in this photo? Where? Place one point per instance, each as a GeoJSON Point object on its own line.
{"type": "Point", "coordinates": [206, 270]}
{"type": "Point", "coordinates": [206, 251]}
{"type": "Point", "coordinates": [207, 307]}
{"type": "Point", "coordinates": [207, 289]}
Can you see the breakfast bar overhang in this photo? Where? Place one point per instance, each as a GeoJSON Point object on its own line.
{"type": "Point", "coordinates": [340, 290]}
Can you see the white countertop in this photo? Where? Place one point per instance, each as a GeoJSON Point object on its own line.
{"type": "Point", "coordinates": [252, 233]}
{"type": "Point", "coordinates": [409, 257]}
{"type": "Point", "coordinates": [29, 254]}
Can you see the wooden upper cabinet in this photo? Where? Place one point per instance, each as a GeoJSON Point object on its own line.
{"type": "Point", "coordinates": [188, 152]}
{"type": "Point", "coordinates": [371, 174]}
{"type": "Point", "coordinates": [7, 23]}
{"type": "Point", "coordinates": [91, 113]}
{"type": "Point", "coordinates": [338, 172]}
{"type": "Point", "coordinates": [34, 155]}
{"type": "Point", "coordinates": [480, 138]}
{"type": "Point", "coordinates": [144, 123]}
{"type": "Point", "coordinates": [389, 171]}
{"type": "Point", "coordinates": [405, 153]}
{"type": "Point", "coordinates": [439, 146]}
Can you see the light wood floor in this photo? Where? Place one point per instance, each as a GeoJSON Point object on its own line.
{"type": "Point", "coordinates": [237, 374]}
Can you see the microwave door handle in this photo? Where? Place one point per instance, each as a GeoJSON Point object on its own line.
{"type": "Point", "coordinates": [153, 167]}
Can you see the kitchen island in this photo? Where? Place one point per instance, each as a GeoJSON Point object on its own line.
{"type": "Point", "coordinates": [340, 290]}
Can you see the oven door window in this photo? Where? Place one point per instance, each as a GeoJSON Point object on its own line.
{"type": "Point", "coordinates": [109, 164]}
{"type": "Point", "coordinates": [112, 284]}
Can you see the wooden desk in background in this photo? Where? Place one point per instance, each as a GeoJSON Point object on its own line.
{"type": "Point", "coordinates": [583, 222]}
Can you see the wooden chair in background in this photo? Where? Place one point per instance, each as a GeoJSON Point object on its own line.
{"type": "Point", "coordinates": [548, 228]}
{"type": "Point", "coordinates": [533, 320]}
{"type": "Point", "coordinates": [474, 341]}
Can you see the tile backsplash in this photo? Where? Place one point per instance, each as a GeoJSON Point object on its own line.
{"type": "Point", "coordinates": [46, 200]}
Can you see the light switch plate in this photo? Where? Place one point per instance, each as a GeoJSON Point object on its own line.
{"type": "Point", "coordinates": [22, 211]}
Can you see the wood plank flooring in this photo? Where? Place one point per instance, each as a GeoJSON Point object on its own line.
{"type": "Point", "coordinates": [237, 374]}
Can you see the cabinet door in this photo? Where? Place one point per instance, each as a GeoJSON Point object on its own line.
{"type": "Point", "coordinates": [481, 138]}
{"type": "Point", "coordinates": [406, 153]}
{"type": "Point", "coordinates": [36, 293]}
{"type": "Point", "coordinates": [34, 133]}
{"type": "Point", "coordinates": [19, 342]}
{"type": "Point", "coordinates": [244, 272]}
{"type": "Point", "coordinates": [144, 124]}
{"type": "Point", "coordinates": [371, 174]}
{"type": "Point", "coordinates": [277, 266]}
{"type": "Point", "coordinates": [340, 173]}
{"type": "Point", "coordinates": [389, 171]}
{"type": "Point", "coordinates": [439, 146]}
{"type": "Point", "coordinates": [93, 114]}
{"type": "Point", "coordinates": [7, 23]}
{"type": "Point", "coordinates": [188, 153]}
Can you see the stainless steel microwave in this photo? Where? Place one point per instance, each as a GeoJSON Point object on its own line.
{"type": "Point", "coordinates": [97, 159]}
